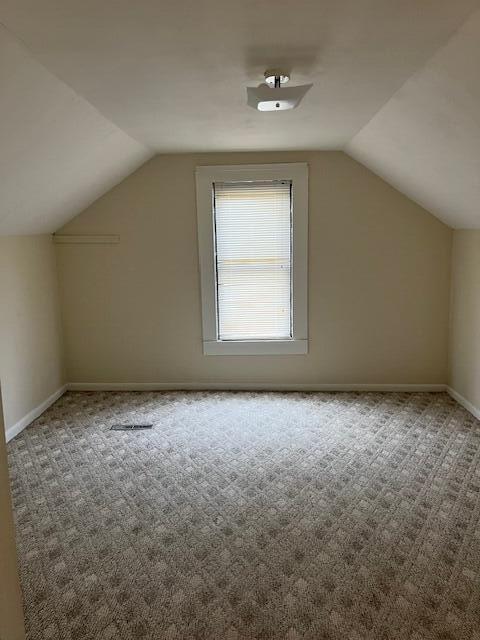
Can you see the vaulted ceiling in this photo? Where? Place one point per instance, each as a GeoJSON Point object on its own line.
{"type": "Point", "coordinates": [426, 139]}
{"type": "Point", "coordinates": [57, 152]}
{"type": "Point", "coordinates": [94, 88]}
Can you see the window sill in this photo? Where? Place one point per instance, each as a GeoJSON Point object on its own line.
{"type": "Point", "coordinates": [255, 348]}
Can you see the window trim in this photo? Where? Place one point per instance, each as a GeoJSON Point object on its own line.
{"type": "Point", "coordinates": [205, 177]}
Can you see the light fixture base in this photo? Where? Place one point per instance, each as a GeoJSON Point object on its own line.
{"type": "Point", "coordinates": [276, 77]}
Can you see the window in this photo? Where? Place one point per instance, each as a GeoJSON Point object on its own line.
{"type": "Point", "coordinates": [253, 241]}
{"type": "Point", "coordinates": [252, 231]}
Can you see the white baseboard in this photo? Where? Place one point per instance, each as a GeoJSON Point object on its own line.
{"type": "Point", "coordinates": [15, 429]}
{"type": "Point", "coordinates": [245, 386]}
{"type": "Point", "coordinates": [464, 402]}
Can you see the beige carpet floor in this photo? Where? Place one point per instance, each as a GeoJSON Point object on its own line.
{"type": "Point", "coordinates": [245, 516]}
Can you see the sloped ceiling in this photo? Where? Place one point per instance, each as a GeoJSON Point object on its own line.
{"type": "Point", "coordinates": [174, 74]}
{"type": "Point", "coordinates": [57, 153]}
{"type": "Point", "coordinates": [171, 77]}
{"type": "Point", "coordinates": [425, 140]}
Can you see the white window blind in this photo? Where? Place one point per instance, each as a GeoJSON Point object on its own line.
{"type": "Point", "coordinates": [253, 259]}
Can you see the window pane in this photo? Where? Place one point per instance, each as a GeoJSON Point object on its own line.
{"type": "Point", "coordinates": [253, 260]}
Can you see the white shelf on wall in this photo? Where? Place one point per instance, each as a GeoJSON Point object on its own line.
{"type": "Point", "coordinates": [78, 239]}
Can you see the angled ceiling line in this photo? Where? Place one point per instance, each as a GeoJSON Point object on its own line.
{"type": "Point", "coordinates": [21, 43]}
{"type": "Point", "coordinates": [417, 72]}
{"type": "Point", "coordinates": [59, 153]}
{"type": "Point", "coordinates": [425, 141]}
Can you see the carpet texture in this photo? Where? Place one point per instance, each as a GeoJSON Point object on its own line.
{"type": "Point", "coordinates": [245, 516]}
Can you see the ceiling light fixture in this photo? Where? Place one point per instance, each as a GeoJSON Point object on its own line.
{"type": "Point", "coordinates": [272, 96]}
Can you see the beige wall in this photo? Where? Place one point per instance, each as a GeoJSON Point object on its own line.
{"type": "Point", "coordinates": [378, 287]}
{"type": "Point", "coordinates": [11, 614]}
{"type": "Point", "coordinates": [465, 316]}
{"type": "Point", "coordinates": [31, 360]}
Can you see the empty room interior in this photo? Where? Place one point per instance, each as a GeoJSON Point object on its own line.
{"type": "Point", "coordinates": [239, 320]}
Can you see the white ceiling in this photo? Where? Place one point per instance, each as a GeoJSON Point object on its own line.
{"type": "Point", "coordinates": [57, 153]}
{"type": "Point", "coordinates": [171, 76]}
{"type": "Point", "coordinates": [426, 140]}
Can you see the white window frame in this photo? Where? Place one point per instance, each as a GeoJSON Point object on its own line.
{"type": "Point", "coordinates": [205, 178]}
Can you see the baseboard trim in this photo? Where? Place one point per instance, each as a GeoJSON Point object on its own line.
{"type": "Point", "coordinates": [246, 386]}
{"type": "Point", "coordinates": [19, 426]}
{"type": "Point", "coordinates": [475, 411]}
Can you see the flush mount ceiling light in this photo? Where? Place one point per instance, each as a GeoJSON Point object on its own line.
{"type": "Point", "coordinates": [272, 95]}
